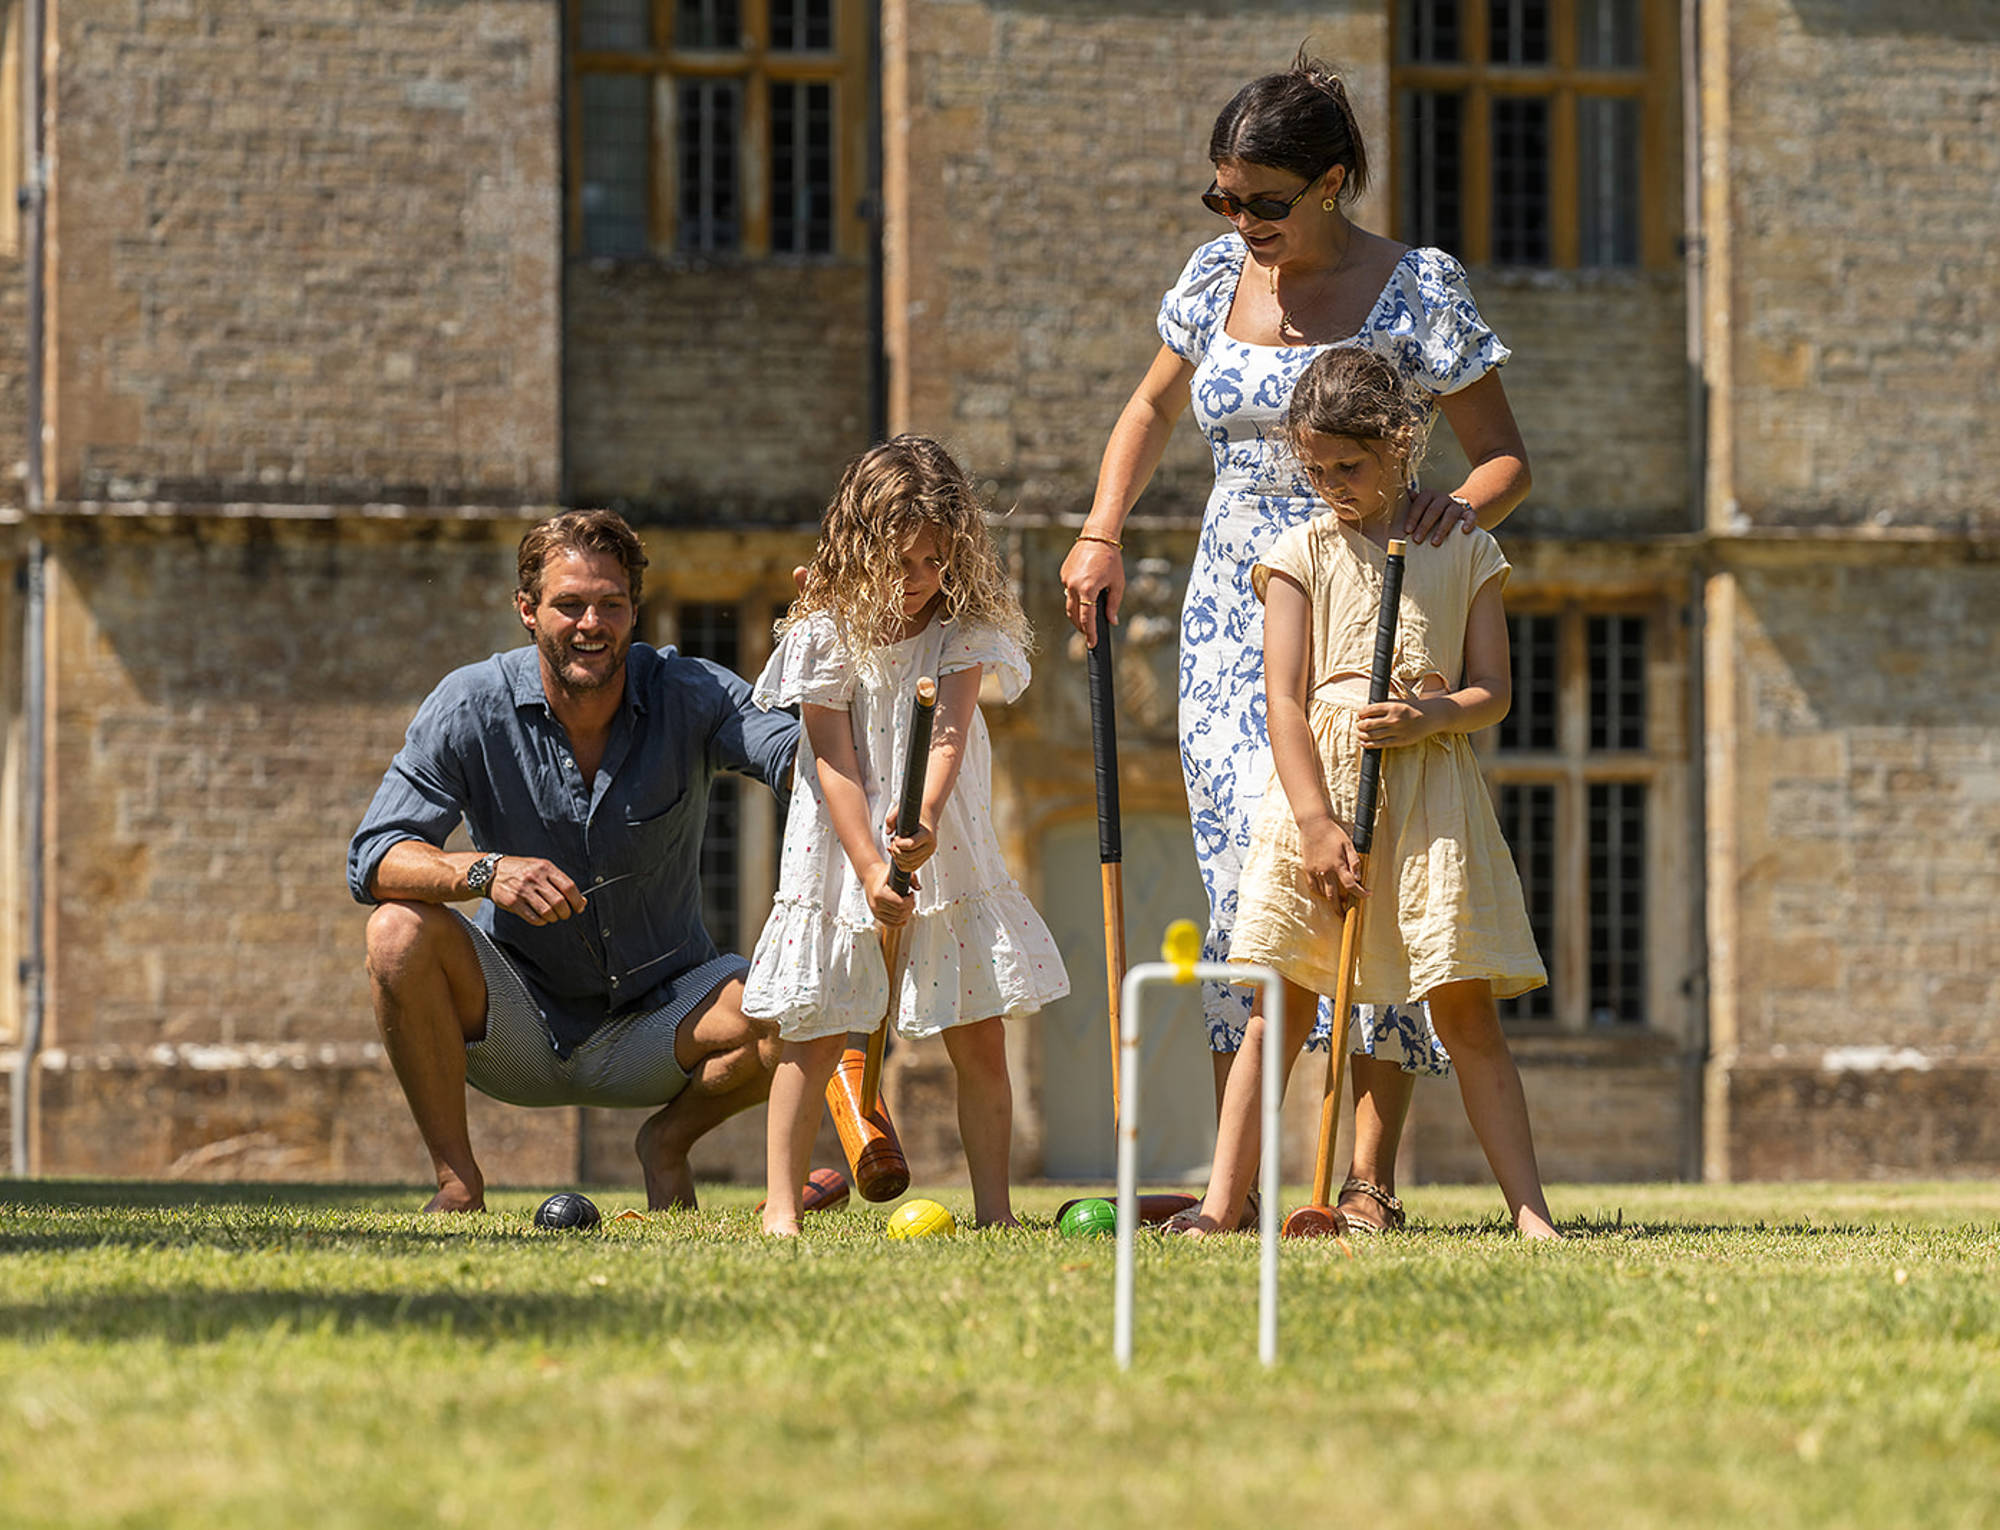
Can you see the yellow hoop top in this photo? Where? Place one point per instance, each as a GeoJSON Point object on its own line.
{"type": "Point", "coordinates": [1182, 949]}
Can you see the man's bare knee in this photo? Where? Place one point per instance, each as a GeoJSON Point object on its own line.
{"type": "Point", "coordinates": [399, 934]}
{"type": "Point", "coordinates": [730, 1068]}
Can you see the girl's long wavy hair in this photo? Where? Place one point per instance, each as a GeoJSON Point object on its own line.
{"type": "Point", "coordinates": [887, 495]}
{"type": "Point", "coordinates": [1347, 391]}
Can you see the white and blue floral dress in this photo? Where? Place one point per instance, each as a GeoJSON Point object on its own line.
{"type": "Point", "coordinates": [1425, 322]}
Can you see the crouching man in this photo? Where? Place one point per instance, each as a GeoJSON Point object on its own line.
{"type": "Point", "coordinates": [580, 766]}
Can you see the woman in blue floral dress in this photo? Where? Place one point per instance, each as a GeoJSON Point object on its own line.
{"type": "Point", "coordinates": [1250, 310]}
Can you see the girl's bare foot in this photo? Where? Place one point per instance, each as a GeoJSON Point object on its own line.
{"type": "Point", "coordinates": [1005, 1219]}
{"type": "Point", "coordinates": [778, 1225]}
{"type": "Point", "coordinates": [1195, 1222]}
{"type": "Point", "coordinates": [1535, 1227]}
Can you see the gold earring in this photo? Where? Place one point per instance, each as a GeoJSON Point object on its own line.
{"type": "Point", "coordinates": [1327, 205]}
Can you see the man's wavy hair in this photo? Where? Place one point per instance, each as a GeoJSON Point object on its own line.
{"type": "Point", "coordinates": [582, 531]}
{"type": "Point", "coordinates": [887, 495]}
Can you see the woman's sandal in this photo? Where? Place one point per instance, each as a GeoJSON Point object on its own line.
{"type": "Point", "coordinates": [1376, 1200]}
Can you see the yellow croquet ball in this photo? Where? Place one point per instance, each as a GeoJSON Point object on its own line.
{"type": "Point", "coordinates": [921, 1219]}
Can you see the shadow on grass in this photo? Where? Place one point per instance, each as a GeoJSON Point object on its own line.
{"type": "Point", "coordinates": [129, 1194]}
{"type": "Point", "coordinates": [267, 1237]}
{"type": "Point", "coordinates": [203, 1315]}
{"type": "Point", "coordinates": [1625, 1231]}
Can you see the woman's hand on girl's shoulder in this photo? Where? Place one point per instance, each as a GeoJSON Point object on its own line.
{"type": "Point", "coordinates": [1434, 516]}
{"type": "Point", "coordinates": [888, 905]}
{"type": "Point", "coordinates": [1330, 863]}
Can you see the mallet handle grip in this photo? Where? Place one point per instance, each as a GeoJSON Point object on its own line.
{"type": "Point", "coordinates": [909, 815]}
{"type": "Point", "coordinates": [1110, 824]}
{"type": "Point", "coordinates": [1378, 690]}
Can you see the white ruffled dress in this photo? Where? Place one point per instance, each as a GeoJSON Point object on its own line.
{"type": "Point", "coordinates": [976, 948]}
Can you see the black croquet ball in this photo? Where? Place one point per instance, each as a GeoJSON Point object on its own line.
{"type": "Point", "coordinates": [567, 1210]}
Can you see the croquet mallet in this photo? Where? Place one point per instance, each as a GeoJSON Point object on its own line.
{"type": "Point", "coordinates": [1319, 1218]}
{"type": "Point", "coordinates": [909, 816]}
{"type": "Point", "coordinates": [854, 1093]}
{"type": "Point", "coordinates": [1110, 830]}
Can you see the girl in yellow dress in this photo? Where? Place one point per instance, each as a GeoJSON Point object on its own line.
{"type": "Point", "coordinates": [1446, 923]}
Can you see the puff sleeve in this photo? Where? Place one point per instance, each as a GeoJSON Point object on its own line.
{"type": "Point", "coordinates": [1290, 555]}
{"type": "Point", "coordinates": [999, 653]}
{"type": "Point", "coordinates": [1485, 563]}
{"type": "Point", "coordinates": [1442, 343]}
{"type": "Point", "coordinates": [810, 664]}
{"type": "Point", "coordinates": [1194, 307]}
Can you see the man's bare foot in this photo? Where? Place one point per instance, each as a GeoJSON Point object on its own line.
{"type": "Point", "coordinates": [457, 1194]}
{"type": "Point", "coordinates": [1535, 1228]}
{"type": "Point", "coordinates": [669, 1180]}
{"type": "Point", "coordinates": [778, 1225]}
{"type": "Point", "coordinates": [1005, 1220]}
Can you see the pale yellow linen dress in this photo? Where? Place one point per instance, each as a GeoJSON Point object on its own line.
{"type": "Point", "coordinates": [1445, 901]}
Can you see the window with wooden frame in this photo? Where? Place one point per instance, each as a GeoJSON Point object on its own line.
{"type": "Point", "coordinates": [717, 127]}
{"type": "Point", "coordinates": [10, 127]}
{"type": "Point", "coordinates": [1588, 775]}
{"type": "Point", "coordinates": [742, 837]}
{"type": "Point", "coordinates": [1538, 132]}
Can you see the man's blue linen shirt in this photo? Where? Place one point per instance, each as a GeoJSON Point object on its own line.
{"type": "Point", "coordinates": [484, 747]}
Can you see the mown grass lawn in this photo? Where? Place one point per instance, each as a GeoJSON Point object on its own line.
{"type": "Point", "coordinates": [175, 1355]}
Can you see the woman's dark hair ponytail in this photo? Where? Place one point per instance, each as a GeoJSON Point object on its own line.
{"type": "Point", "coordinates": [1299, 121]}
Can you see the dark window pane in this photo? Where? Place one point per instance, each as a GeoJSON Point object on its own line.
{"type": "Point", "coordinates": [1517, 31]}
{"type": "Point", "coordinates": [1528, 819]}
{"type": "Point", "coordinates": [801, 26]}
{"type": "Point", "coordinates": [1430, 31]}
{"type": "Point", "coordinates": [801, 168]}
{"type": "Point", "coordinates": [1607, 180]}
{"type": "Point", "coordinates": [616, 156]}
{"type": "Point", "coordinates": [709, 134]}
{"type": "Point", "coordinates": [1435, 178]}
{"type": "Point", "coordinates": [1617, 682]}
{"type": "Point", "coordinates": [614, 26]}
{"type": "Point", "coordinates": [707, 24]}
{"type": "Point", "coordinates": [1535, 644]}
{"type": "Point", "coordinates": [1607, 34]}
{"type": "Point", "coordinates": [710, 632]}
{"type": "Point", "coordinates": [1617, 855]}
{"type": "Point", "coordinates": [1521, 180]}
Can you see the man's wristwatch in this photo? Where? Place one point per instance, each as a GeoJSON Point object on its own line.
{"type": "Point", "coordinates": [479, 875]}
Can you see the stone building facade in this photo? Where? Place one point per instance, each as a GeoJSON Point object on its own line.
{"type": "Point", "coordinates": [335, 300]}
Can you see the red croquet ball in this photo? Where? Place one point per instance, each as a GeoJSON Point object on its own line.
{"type": "Point", "coordinates": [1315, 1222]}
{"type": "Point", "coordinates": [826, 1190]}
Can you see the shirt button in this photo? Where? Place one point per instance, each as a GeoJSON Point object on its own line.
{"type": "Point", "coordinates": [568, 763]}
{"type": "Point", "coordinates": [614, 982]}
{"type": "Point", "coordinates": [605, 933]}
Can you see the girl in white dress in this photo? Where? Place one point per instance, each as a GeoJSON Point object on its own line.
{"type": "Point", "coordinates": [905, 584]}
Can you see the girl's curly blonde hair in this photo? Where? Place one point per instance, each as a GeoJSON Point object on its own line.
{"type": "Point", "coordinates": [887, 495]}
{"type": "Point", "coordinates": [1351, 392]}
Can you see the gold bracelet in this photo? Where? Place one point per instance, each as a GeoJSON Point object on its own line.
{"type": "Point", "coordinates": [1091, 536]}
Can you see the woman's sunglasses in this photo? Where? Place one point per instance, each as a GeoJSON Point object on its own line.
{"type": "Point", "coordinates": [1263, 209]}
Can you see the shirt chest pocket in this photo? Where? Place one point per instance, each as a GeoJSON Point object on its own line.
{"type": "Point", "coordinates": [655, 825]}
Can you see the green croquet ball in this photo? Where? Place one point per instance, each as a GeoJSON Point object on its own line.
{"type": "Point", "coordinates": [921, 1219]}
{"type": "Point", "coordinates": [567, 1210]}
{"type": "Point", "coordinates": [1089, 1219]}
